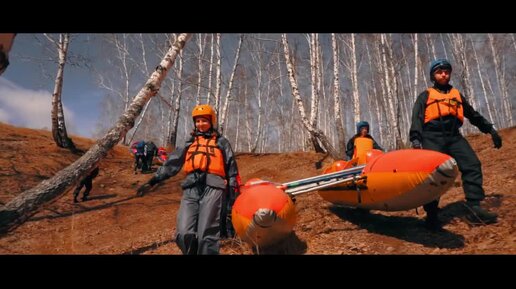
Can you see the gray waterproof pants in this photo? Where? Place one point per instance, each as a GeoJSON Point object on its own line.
{"type": "Point", "coordinates": [198, 220]}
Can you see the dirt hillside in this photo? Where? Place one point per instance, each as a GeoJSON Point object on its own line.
{"type": "Point", "coordinates": [114, 221]}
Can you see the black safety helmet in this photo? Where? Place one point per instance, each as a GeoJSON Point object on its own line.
{"type": "Point", "coordinates": [439, 63]}
{"type": "Point", "coordinates": [362, 124]}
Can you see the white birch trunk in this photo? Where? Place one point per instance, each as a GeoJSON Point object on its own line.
{"type": "Point", "coordinates": [237, 128]}
{"type": "Point", "coordinates": [172, 138]}
{"type": "Point", "coordinates": [482, 82]}
{"type": "Point", "coordinates": [295, 93]}
{"type": "Point", "coordinates": [354, 81]}
{"type": "Point", "coordinates": [459, 51]}
{"type": "Point", "coordinates": [210, 70]}
{"type": "Point", "coordinates": [218, 77]}
{"type": "Point", "coordinates": [444, 46]}
{"type": "Point", "coordinates": [416, 58]}
{"type": "Point", "coordinates": [341, 139]}
{"type": "Point", "coordinates": [390, 93]}
{"type": "Point", "coordinates": [230, 86]}
{"type": "Point", "coordinates": [500, 77]}
{"type": "Point", "coordinates": [199, 72]}
{"type": "Point", "coordinates": [59, 132]}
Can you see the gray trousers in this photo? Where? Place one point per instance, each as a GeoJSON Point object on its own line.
{"type": "Point", "coordinates": [198, 220]}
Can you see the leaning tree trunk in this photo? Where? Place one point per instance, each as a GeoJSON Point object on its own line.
{"type": "Point", "coordinates": [318, 134]}
{"type": "Point", "coordinates": [139, 122]}
{"type": "Point", "coordinates": [24, 205]}
{"type": "Point", "coordinates": [58, 121]}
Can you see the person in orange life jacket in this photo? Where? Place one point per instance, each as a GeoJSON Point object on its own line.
{"type": "Point", "coordinates": [85, 182]}
{"type": "Point", "coordinates": [210, 164]}
{"type": "Point", "coordinates": [437, 115]}
{"type": "Point", "coordinates": [361, 143]}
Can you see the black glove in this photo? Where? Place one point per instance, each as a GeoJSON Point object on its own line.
{"type": "Point", "coordinates": [234, 191]}
{"type": "Point", "coordinates": [416, 144]}
{"type": "Point", "coordinates": [226, 228]}
{"type": "Point", "coordinates": [143, 189]}
{"type": "Point", "coordinates": [497, 139]}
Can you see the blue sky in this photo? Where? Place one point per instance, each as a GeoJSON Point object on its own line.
{"type": "Point", "coordinates": [25, 94]}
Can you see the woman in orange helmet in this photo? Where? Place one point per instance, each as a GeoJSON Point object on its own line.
{"type": "Point", "coordinates": [211, 168]}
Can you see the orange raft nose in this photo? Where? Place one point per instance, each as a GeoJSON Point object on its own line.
{"type": "Point", "coordinates": [396, 181]}
{"type": "Point", "coordinates": [263, 214]}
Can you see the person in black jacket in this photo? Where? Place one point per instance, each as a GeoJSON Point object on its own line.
{"type": "Point", "coordinates": [151, 150]}
{"type": "Point", "coordinates": [210, 188]}
{"type": "Point", "coordinates": [352, 147]}
{"type": "Point", "coordinates": [85, 182]}
{"type": "Point", "coordinates": [140, 162]}
{"type": "Point", "coordinates": [437, 115]}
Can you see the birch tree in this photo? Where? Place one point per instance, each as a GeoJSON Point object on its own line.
{"type": "Point", "coordinates": [314, 69]}
{"type": "Point", "coordinates": [482, 82]}
{"type": "Point", "coordinates": [316, 133]}
{"type": "Point", "coordinates": [209, 93]}
{"type": "Point", "coordinates": [372, 98]}
{"type": "Point", "coordinates": [459, 51]}
{"type": "Point", "coordinates": [23, 206]}
{"type": "Point", "coordinates": [218, 75]}
{"type": "Point", "coordinates": [172, 136]}
{"type": "Point", "coordinates": [390, 83]}
{"type": "Point", "coordinates": [353, 72]}
{"type": "Point", "coordinates": [59, 132]}
{"type": "Point", "coordinates": [500, 77]}
{"type": "Point", "coordinates": [416, 58]}
{"type": "Point", "coordinates": [341, 139]}
{"type": "Point", "coordinates": [124, 70]}
{"type": "Point", "coordinates": [200, 46]}
{"type": "Point", "coordinates": [230, 85]}
{"type": "Point", "coordinates": [145, 70]}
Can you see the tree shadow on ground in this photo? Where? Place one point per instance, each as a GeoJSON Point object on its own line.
{"type": "Point", "coordinates": [80, 209]}
{"type": "Point", "coordinates": [410, 229]}
{"type": "Point", "coordinates": [291, 245]}
{"type": "Point", "coordinates": [101, 197]}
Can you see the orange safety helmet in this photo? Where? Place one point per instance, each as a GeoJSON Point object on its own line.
{"type": "Point", "coordinates": [205, 110]}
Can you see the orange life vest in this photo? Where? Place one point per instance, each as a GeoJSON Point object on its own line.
{"type": "Point", "coordinates": [204, 155]}
{"type": "Point", "coordinates": [363, 145]}
{"type": "Point", "coordinates": [443, 104]}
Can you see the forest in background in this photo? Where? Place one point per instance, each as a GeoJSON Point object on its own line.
{"type": "Point", "coordinates": [342, 78]}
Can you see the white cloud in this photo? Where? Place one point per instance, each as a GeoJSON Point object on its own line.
{"type": "Point", "coordinates": [26, 107]}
